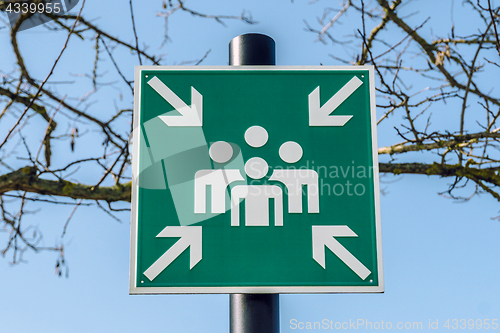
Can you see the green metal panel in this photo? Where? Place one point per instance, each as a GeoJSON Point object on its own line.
{"type": "Point", "coordinates": [248, 258]}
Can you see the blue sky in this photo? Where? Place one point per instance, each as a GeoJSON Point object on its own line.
{"type": "Point", "coordinates": [440, 257]}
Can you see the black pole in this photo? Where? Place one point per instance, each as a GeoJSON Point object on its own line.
{"type": "Point", "coordinates": [253, 313]}
{"type": "Point", "coordinates": [252, 49]}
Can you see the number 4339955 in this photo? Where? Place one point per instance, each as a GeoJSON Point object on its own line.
{"type": "Point", "coordinates": [25, 7]}
{"type": "Point", "coordinates": [471, 324]}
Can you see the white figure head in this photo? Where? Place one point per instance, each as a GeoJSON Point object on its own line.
{"type": "Point", "coordinates": [256, 136]}
{"type": "Point", "coordinates": [290, 152]}
{"type": "Point", "coordinates": [256, 168]}
{"type": "Point", "coordinates": [221, 152]}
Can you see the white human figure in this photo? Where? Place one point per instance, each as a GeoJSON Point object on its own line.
{"type": "Point", "coordinates": [218, 179]}
{"type": "Point", "coordinates": [294, 179]}
{"type": "Point", "coordinates": [256, 204]}
{"type": "Point", "coordinates": [256, 198]}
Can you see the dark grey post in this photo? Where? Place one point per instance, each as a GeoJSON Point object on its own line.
{"type": "Point", "coordinates": [253, 313]}
{"type": "Point", "coordinates": [252, 49]}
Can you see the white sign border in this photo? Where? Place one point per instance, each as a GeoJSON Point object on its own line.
{"type": "Point", "coordinates": [133, 290]}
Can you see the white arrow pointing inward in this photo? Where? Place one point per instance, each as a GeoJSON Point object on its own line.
{"type": "Point", "coordinates": [320, 116]}
{"type": "Point", "coordinates": [190, 116]}
{"type": "Point", "coordinates": [323, 236]}
{"type": "Point", "coordinates": [190, 236]}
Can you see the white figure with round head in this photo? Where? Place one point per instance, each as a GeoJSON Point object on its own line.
{"type": "Point", "coordinates": [256, 196]}
{"type": "Point", "coordinates": [293, 178]}
{"type": "Point", "coordinates": [218, 179]}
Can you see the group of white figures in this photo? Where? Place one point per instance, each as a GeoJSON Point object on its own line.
{"type": "Point", "coordinates": [256, 197]}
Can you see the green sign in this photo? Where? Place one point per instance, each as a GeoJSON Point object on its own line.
{"type": "Point", "coordinates": [255, 180]}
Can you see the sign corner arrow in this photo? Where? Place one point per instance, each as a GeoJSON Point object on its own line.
{"type": "Point", "coordinates": [324, 236]}
{"type": "Point", "coordinates": [190, 115]}
{"type": "Point", "coordinates": [190, 236]}
{"type": "Point", "coordinates": [320, 115]}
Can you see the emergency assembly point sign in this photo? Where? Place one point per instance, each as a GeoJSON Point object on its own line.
{"type": "Point", "coordinates": [255, 180]}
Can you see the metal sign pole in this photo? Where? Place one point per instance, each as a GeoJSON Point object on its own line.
{"type": "Point", "coordinates": [253, 313]}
